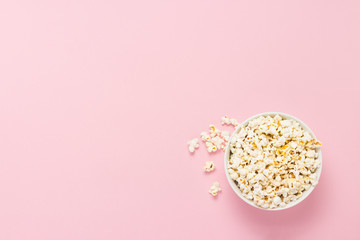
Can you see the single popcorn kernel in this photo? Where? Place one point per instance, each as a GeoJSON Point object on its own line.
{"type": "Point", "coordinates": [225, 120]}
{"type": "Point", "coordinates": [209, 166]}
{"type": "Point", "coordinates": [215, 189]}
{"type": "Point", "coordinates": [229, 121]}
{"type": "Point", "coordinates": [193, 144]}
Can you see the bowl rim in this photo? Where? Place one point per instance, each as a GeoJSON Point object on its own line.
{"type": "Point", "coordinates": [235, 187]}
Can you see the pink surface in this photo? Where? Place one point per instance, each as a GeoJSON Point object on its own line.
{"type": "Point", "coordinates": [98, 99]}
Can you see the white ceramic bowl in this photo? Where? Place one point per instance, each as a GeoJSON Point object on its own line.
{"type": "Point", "coordinates": [236, 188]}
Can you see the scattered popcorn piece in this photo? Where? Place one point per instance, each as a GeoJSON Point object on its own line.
{"type": "Point", "coordinates": [225, 120]}
{"type": "Point", "coordinates": [214, 189]}
{"type": "Point", "coordinates": [205, 136]}
{"type": "Point", "coordinates": [193, 144]}
{"type": "Point", "coordinates": [212, 128]}
{"type": "Point", "coordinates": [229, 121]}
{"type": "Point", "coordinates": [209, 166]}
{"type": "Point", "coordinates": [234, 122]}
{"type": "Point", "coordinates": [273, 160]}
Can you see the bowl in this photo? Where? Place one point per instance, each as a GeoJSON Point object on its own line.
{"type": "Point", "coordinates": [237, 189]}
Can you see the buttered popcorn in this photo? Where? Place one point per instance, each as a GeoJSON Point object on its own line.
{"type": "Point", "coordinates": [273, 161]}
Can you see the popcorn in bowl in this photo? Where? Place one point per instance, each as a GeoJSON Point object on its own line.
{"type": "Point", "coordinates": [273, 161]}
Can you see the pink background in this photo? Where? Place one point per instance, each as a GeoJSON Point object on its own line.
{"type": "Point", "coordinates": [98, 99]}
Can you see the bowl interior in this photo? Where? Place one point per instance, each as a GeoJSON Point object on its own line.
{"type": "Point", "coordinates": [227, 156]}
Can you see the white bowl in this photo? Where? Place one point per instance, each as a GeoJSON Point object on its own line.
{"type": "Point", "coordinates": [236, 188]}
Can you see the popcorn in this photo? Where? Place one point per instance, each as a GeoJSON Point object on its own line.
{"type": "Point", "coordinates": [193, 144]}
{"type": "Point", "coordinates": [214, 189]}
{"type": "Point", "coordinates": [273, 160]}
{"type": "Point", "coordinates": [310, 154]}
{"type": "Point", "coordinates": [234, 122]}
{"type": "Point", "coordinates": [215, 139]}
{"type": "Point", "coordinates": [209, 166]}
{"type": "Point", "coordinates": [229, 121]}
{"type": "Point", "coordinates": [225, 120]}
